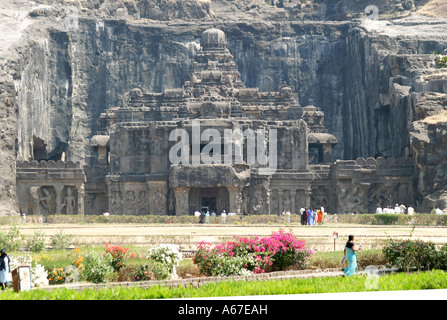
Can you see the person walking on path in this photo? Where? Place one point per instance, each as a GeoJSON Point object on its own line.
{"type": "Point", "coordinates": [5, 272]}
{"type": "Point", "coordinates": [351, 256]}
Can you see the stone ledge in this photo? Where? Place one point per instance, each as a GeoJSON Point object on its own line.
{"type": "Point", "coordinates": [197, 282]}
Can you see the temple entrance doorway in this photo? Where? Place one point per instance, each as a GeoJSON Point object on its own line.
{"type": "Point", "coordinates": [208, 199]}
{"type": "Point", "coordinates": [208, 204]}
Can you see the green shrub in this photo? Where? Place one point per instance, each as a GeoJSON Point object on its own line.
{"type": "Point", "coordinates": [60, 240]}
{"type": "Point", "coordinates": [168, 256]}
{"type": "Point", "coordinates": [440, 258]}
{"type": "Point", "coordinates": [386, 218]}
{"type": "Point", "coordinates": [443, 258]}
{"type": "Point", "coordinates": [368, 219]}
{"type": "Point", "coordinates": [441, 59]}
{"type": "Point", "coordinates": [421, 219]}
{"type": "Point", "coordinates": [150, 271]}
{"type": "Point", "coordinates": [407, 254]}
{"type": "Point", "coordinates": [36, 243]}
{"type": "Point", "coordinates": [12, 240]}
{"type": "Point", "coordinates": [97, 268]}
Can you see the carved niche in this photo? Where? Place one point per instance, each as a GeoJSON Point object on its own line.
{"type": "Point", "coordinates": [69, 198]}
{"type": "Point", "coordinates": [210, 110]}
{"type": "Point", "coordinates": [47, 200]}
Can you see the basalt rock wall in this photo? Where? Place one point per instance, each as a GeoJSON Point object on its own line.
{"type": "Point", "coordinates": [72, 63]}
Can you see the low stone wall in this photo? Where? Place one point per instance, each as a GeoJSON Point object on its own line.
{"type": "Point", "coordinates": [197, 282]}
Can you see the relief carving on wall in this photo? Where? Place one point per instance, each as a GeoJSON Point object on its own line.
{"type": "Point", "coordinates": [380, 195]}
{"type": "Point", "coordinates": [130, 203]}
{"type": "Point", "coordinates": [69, 202]}
{"type": "Point", "coordinates": [143, 208]}
{"type": "Point", "coordinates": [47, 201]}
{"type": "Point", "coordinates": [157, 198]}
{"type": "Point", "coordinates": [320, 198]}
{"type": "Point", "coordinates": [352, 199]}
{"type": "Point", "coordinates": [117, 203]}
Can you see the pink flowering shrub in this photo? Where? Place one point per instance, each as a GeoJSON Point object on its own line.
{"type": "Point", "coordinates": [279, 251]}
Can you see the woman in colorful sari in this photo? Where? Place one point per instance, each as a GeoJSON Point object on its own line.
{"type": "Point", "coordinates": [351, 256]}
{"type": "Point", "coordinates": [320, 216]}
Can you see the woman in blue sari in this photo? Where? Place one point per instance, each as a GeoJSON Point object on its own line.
{"type": "Point", "coordinates": [351, 256]}
{"type": "Point", "coordinates": [310, 217]}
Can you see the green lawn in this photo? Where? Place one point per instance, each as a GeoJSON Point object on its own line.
{"type": "Point", "coordinates": [424, 280]}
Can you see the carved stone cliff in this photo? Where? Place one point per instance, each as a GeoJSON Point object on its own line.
{"type": "Point", "coordinates": [63, 63]}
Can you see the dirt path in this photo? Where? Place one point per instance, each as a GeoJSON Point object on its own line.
{"type": "Point", "coordinates": [187, 236]}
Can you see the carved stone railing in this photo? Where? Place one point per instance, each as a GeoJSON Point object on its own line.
{"type": "Point", "coordinates": [382, 162]}
{"type": "Point", "coordinates": [383, 166]}
{"type": "Point", "coordinates": [50, 164]}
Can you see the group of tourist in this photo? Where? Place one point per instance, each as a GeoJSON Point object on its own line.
{"type": "Point", "coordinates": [310, 217]}
{"type": "Point", "coordinates": [401, 209]}
{"type": "Point", "coordinates": [30, 220]}
{"type": "Point", "coordinates": [397, 209]}
{"type": "Point", "coordinates": [286, 215]}
{"type": "Point", "coordinates": [204, 217]}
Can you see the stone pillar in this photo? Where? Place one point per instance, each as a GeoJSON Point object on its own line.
{"type": "Point", "coordinates": [59, 201]}
{"type": "Point", "coordinates": [181, 201]}
{"type": "Point", "coordinates": [273, 201]}
{"type": "Point", "coordinates": [293, 209]}
{"type": "Point", "coordinates": [81, 194]}
{"type": "Point", "coordinates": [307, 195]}
{"type": "Point", "coordinates": [327, 153]}
{"type": "Point", "coordinates": [102, 155]}
{"type": "Point", "coordinates": [34, 196]}
{"type": "Point", "coordinates": [109, 196]}
{"type": "Point", "coordinates": [280, 201]}
{"type": "Point", "coordinates": [235, 195]}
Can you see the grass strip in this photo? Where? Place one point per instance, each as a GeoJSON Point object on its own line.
{"type": "Point", "coordinates": [435, 279]}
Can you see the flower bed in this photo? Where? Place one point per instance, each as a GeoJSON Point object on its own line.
{"type": "Point", "coordinates": [244, 255]}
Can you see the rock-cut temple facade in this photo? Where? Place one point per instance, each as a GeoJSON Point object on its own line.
{"type": "Point", "coordinates": [213, 144]}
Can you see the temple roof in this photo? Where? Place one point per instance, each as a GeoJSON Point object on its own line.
{"type": "Point", "coordinates": [215, 90]}
{"type": "Point", "coordinates": [213, 39]}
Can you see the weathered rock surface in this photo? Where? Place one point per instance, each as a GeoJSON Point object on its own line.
{"type": "Point", "coordinates": [428, 140]}
{"type": "Point", "coordinates": [63, 63]}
